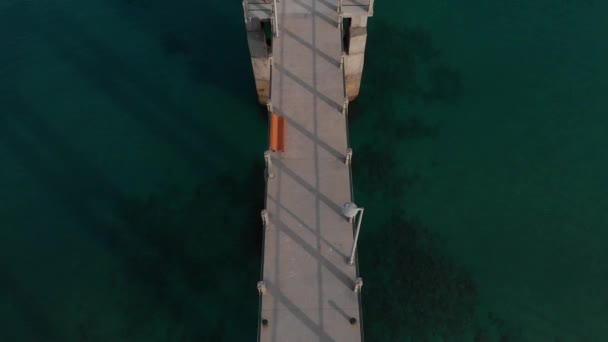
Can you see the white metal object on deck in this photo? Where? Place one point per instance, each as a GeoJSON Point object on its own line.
{"type": "Point", "coordinates": [350, 211]}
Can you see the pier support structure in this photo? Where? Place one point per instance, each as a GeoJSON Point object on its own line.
{"type": "Point", "coordinates": [355, 30]}
{"type": "Point", "coordinates": [308, 290]}
{"type": "Point", "coordinates": [260, 53]}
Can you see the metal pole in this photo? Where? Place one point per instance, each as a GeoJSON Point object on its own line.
{"type": "Point", "coordinates": [276, 20]}
{"type": "Point", "coordinates": [345, 104]}
{"type": "Point", "coordinates": [246, 11]}
{"type": "Point", "coordinates": [352, 253]}
{"type": "Point", "coordinates": [268, 161]}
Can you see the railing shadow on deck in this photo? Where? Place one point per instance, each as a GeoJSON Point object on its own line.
{"type": "Point", "coordinates": [297, 312]}
{"type": "Point", "coordinates": [321, 15]}
{"type": "Point", "coordinates": [313, 252]}
{"type": "Point", "coordinates": [307, 227]}
{"type": "Point", "coordinates": [309, 88]}
{"type": "Point", "coordinates": [320, 53]}
{"type": "Point", "coordinates": [312, 189]}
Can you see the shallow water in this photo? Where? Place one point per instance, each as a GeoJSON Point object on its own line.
{"type": "Point", "coordinates": [130, 197]}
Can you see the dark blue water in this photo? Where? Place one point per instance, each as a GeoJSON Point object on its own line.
{"type": "Point", "coordinates": [131, 172]}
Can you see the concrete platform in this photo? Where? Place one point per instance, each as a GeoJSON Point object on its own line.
{"type": "Point", "coordinates": [355, 8]}
{"type": "Point", "coordinates": [309, 285]}
{"type": "Point", "coordinates": [259, 10]}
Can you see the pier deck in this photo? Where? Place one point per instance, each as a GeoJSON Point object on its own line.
{"type": "Point", "coordinates": [309, 284]}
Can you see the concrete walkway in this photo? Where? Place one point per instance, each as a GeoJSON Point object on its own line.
{"type": "Point", "coordinates": [309, 285]}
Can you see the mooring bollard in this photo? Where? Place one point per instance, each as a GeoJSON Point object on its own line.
{"type": "Point", "coordinates": [349, 156]}
{"type": "Point", "coordinates": [262, 287]}
{"type": "Point", "coordinates": [268, 162]}
{"type": "Point", "coordinates": [265, 218]}
{"type": "Point", "coordinates": [358, 285]}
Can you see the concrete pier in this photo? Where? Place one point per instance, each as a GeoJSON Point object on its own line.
{"type": "Point", "coordinates": [356, 38]}
{"type": "Point", "coordinates": [308, 290]}
{"type": "Point", "coordinates": [260, 61]}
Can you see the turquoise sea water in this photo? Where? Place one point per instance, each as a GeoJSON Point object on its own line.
{"type": "Point", "coordinates": [131, 177]}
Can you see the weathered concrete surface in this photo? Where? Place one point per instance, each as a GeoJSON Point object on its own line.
{"type": "Point", "coordinates": [260, 62]}
{"type": "Point", "coordinates": [355, 8]}
{"type": "Point", "coordinates": [309, 284]}
{"type": "Point", "coordinates": [259, 9]}
{"type": "Point", "coordinates": [355, 55]}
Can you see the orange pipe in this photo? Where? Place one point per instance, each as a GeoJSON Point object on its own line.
{"type": "Point", "coordinates": [274, 132]}
{"type": "Point", "coordinates": [281, 134]}
{"type": "Point", "coordinates": [277, 133]}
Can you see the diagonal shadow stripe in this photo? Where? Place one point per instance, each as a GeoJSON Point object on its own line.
{"type": "Point", "coordinates": [323, 55]}
{"type": "Point", "coordinates": [315, 192]}
{"type": "Point", "coordinates": [315, 139]}
{"type": "Point", "coordinates": [297, 312]}
{"type": "Point", "coordinates": [338, 309]}
{"type": "Point", "coordinates": [355, 3]}
{"type": "Point", "coordinates": [316, 13]}
{"type": "Point", "coordinates": [310, 89]}
{"type": "Point", "coordinates": [332, 6]}
{"type": "Point", "coordinates": [301, 222]}
{"type": "Point", "coordinates": [344, 278]}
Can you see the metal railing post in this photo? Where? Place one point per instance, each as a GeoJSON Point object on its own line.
{"type": "Point", "coordinates": [349, 156]}
{"type": "Point", "coordinates": [345, 105]}
{"type": "Point", "coordinates": [352, 253]}
{"type": "Point", "coordinates": [358, 285]}
{"type": "Point", "coordinates": [268, 162]}
{"type": "Point", "coordinates": [276, 19]}
{"type": "Point", "coordinates": [246, 11]}
{"type": "Point", "coordinates": [265, 218]}
{"type": "Point", "coordinates": [262, 287]}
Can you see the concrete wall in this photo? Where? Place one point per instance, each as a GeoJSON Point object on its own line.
{"type": "Point", "coordinates": [356, 36]}
{"type": "Point", "coordinates": [259, 52]}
